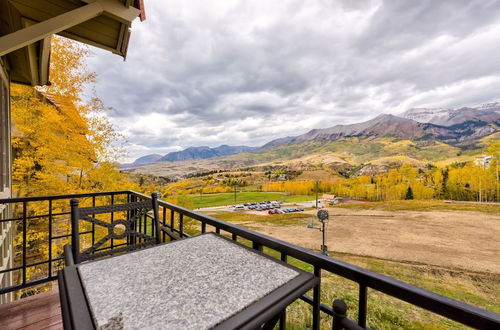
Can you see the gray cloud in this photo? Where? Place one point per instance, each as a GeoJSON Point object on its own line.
{"type": "Point", "coordinates": [246, 72]}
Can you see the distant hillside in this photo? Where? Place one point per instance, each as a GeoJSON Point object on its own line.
{"type": "Point", "coordinates": [191, 153]}
{"type": "Point", "coordinates": [148, 159]}
{"type": "Point", "coordinates": [403, 128]}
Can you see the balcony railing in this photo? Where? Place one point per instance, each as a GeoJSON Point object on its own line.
{"type": "Point", "coordinates": [42, 229]}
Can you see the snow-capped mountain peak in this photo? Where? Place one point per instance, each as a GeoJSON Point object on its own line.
{"type": "Point", "coordinates": [488, 112]}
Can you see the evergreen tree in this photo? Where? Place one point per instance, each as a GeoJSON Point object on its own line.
{"type": "Point", "coordinates": [409, 194]}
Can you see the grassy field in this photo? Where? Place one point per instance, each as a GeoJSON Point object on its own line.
{"type": "Point", "coordinates": [422, 206]}
{"type": "Point", "coordinates": [385, 312]}
{"type": "Point", "coordinates": [475, 287]}
{"type": "Point", "coordinates": [244, 197]}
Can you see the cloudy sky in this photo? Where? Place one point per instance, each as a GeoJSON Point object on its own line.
{"type": "Point", "coordinates": [245, 72]}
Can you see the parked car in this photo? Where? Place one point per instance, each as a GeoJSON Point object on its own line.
{"type": "Point", "coordinates": [271, 212]}
{"type": "Point", "coordinates": [239, 207]}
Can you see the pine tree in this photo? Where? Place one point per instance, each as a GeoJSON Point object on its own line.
{"type": "Point", "coordinates": [409, 194]}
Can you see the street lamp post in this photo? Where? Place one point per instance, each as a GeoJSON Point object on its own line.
{"type": "Point", "coordinates": [317, 183]}
{"type": "Point", "coordinates": [323, 218]}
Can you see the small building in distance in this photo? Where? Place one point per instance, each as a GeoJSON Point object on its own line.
{"type": "Point", "coordinates": [483, 160]}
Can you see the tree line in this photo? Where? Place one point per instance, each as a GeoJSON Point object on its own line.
{"type": "Point", "coordinates": [465, 181]}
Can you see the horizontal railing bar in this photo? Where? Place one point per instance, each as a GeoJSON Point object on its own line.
{"type": "Point", "coordinates": [28, 284]}
{"type": "Point", "coordinates": [438, 304]}
{"type": "Point", "coordinates": [34, 217]}
{"type": "Point", "coordinates": [322, 307]}
{"type": "Point", "coordinates": [69, 235]}
{"type": "Point", "coordinates": [29, 265]}
{"type": "Point", "coordinates": [110, 247]}
{"type": "Point", "coordinates": [56, 197]}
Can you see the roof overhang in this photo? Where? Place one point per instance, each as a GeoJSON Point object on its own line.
{"type": "Point", "coordinates": [26, 27]}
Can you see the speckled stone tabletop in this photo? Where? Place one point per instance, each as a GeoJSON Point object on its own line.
{"type": "Point", "coordinates": [194, 283]}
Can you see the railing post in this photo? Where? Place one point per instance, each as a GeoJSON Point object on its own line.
{"type": "Point", "coordinates": [316, 300]}
{"type": "Point", "coordinates": [93, 224]}
{"type": "Point", "coordinates": [164, 217]}
{"type": "Point", "coordinates": [362, 304]}
{"type": "Point", "coordinates": [203, 227]}
{"type": "Point", "coordinates": [284, 258]}
{"type": "Point", "coordinates": [112, 219]}
{"type": "Point", "coordinates": [133, 224]}
{"type": "Point", "coordinates": [75, 238]}
{"type": "Point", "coordinates": [172, 221]}
{"type": "Point", "coordinates": [25, 228]}
{"type": "Point", "coordinates": [181, 225]}
{"type": "Point", "coordinates": [339, 314]}
{"type": "Point", "coordinates": [50, 238]}
{"type": "Point", "coordinates": [154, 200]}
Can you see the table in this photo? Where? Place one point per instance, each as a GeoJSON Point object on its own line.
{"type": "Point", "coordinates": [202, 282]}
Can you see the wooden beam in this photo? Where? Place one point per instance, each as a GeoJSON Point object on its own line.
{"type": "Point", "coordinates": [34, 33]}
{"type": "Point", "coordinates": [112, 8]}
{"type": "Point", "coordinates": [44, 58]}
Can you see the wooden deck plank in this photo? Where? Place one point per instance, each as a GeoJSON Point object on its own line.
{"type": "Point", "coordinates": [41, 311]}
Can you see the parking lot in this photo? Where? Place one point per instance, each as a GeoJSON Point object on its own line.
{"type": "Point", "coordinates": [264, 207]}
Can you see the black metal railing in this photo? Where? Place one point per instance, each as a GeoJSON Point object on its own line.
{"type": "Point", "coordinates": [41, 227]}
{"type": "Point", "coordinates": [185, 223]}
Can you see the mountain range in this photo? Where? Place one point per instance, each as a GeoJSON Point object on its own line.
{"type": "Point", "coordinates": [458, 128]}
{"type": "Point", "coordinates": [192, 153]}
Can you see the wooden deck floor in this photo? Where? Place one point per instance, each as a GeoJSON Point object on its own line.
{"type": "Point", "coordinates": [41, 311]}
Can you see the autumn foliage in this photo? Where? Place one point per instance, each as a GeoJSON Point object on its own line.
{"type": "Point", "coordinates": [467, 181]}
{"type": "Point", "coordinates": [62, 144]}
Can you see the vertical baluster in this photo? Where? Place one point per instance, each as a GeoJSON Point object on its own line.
{"type": "Point", "coordinates": [181, 224]}
{"type": "Point", "coordinates": [217, 230]}
{"type": "Point", "coordinates": [133, 213]}
{"type": "Point", "coordinates": [203, 227]}
{"type": "Point", "coordinates": [172, 220]}
{"type": "Point", "coordinates": [316, 299]}
{"type": "Point", "coordinates": [363, 298]}
{"type": "Point", "coordinates": [234, 237]}
{"type": "Point", "coordinates": [112, 218]}
{"type": "Point", "coordinates": [93, 224]}
{"type": "Point", "coordinates": [164, 222]}
{"type": "Point", "coordinates": [256, 246]}
{"type": "Point", "coordinates": [129, 238]}
{"type": "Point", "coordinates": [138, 239]}
{"type": "Point", "coordinates": [145, 220]}
{"type": "Point", "coordinates": [50, 238]}
{"type": "Point", "coordinates": [284, 258]}
{"type": "Point", "coordinates": [25, 227]}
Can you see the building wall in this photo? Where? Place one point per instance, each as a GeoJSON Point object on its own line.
{"type": "Point", "coordinates": [6, 229]}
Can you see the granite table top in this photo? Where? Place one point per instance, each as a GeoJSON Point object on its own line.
{"type": "Point", "coordinates": [194, 283]}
